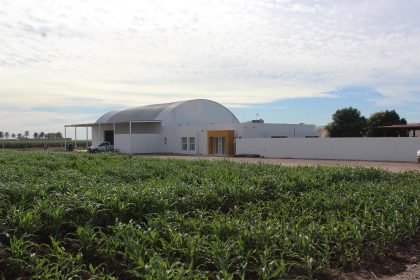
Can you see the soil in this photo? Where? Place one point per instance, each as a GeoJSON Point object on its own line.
{"type": "Point", "coordinates": [398, 262]}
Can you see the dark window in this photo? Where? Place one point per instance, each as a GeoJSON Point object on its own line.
{"type": "Point", "coordinates": [109, 136]}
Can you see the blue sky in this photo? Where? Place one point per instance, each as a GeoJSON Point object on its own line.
{"type": "Point", "coordinates": [288, 61]}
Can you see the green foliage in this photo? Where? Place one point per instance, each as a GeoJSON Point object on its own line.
{"type": "Point", "coordinates": [347, 122]}
{"type": "Point", "coordinates": [385, 118]}
{"type": "Point", "coordinates": [107, 216]}
{"type": "Point", "coordinates": [37, 143]}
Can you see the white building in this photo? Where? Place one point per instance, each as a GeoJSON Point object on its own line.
{"type": "Point", "coordinates": [196, 126]}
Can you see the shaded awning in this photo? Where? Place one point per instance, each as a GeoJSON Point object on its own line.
{"type": "Point", "coordinates": [410, 126]}
{"type": "Point", "coordinates": [82, 125]}
{"type": "Point", "coordinates": [406, 127]}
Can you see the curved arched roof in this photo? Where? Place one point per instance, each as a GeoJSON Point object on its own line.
{"type": "Point", "coordinates": [157, 112]}
{"type": "Point", "coordinates": [107, 117]}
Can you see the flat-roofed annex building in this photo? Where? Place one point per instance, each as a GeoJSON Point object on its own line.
{"type": "Point", "coordinates": [197, 126]}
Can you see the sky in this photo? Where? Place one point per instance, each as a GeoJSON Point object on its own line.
{"type": "Point", "coordinates": [285, 61]}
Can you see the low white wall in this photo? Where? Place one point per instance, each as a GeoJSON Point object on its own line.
{"type": "Point", "coordinates": [374, 149]}
{"type": "Point", "coordinates": [140, 143]}
{"type": "Point", "coordinates": [269, 130]}
{"type": "Point", "coordinates": [145, 143]}
{"type": "Point", "coordinates": [122, 143]}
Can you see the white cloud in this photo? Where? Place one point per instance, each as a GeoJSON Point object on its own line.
{"type": "Point", "coordinates": [238, 52]}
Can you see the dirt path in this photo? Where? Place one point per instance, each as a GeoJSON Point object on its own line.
{"type": "Point", "coordinates": [390, 166]}
{"type": "Point", "coordinates": [412, 273]}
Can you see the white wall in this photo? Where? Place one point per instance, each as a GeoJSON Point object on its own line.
{"type": "Point", "coordinates": [374, 149]}
{"type": "Point", "coordinates": [268, 130]}
{"type": "Point", "coordinates": [155, 143]}
{"type": "Point", "coordinates": [140, 143]}
{"type": "Point", "coordinates": [122, 143]}
{"type": "Point", "coordinates": [174, 133]}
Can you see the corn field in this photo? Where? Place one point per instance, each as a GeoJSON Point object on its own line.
{"type": "Point", "coordinates": [108, 216]}
{"type": "Point", "coordinates": [38, 143]}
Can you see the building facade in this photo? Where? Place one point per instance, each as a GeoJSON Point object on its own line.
{"type": "Point", "coordinates": [194, 127]}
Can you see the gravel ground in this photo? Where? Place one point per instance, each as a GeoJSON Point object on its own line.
{"type": "Point", "coordinates": [390, 166]}
{"type": "Point", "coordinates": [412, 273]}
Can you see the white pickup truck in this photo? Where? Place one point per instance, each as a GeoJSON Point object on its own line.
{"type": "Point", "coordinates": [101, 147]}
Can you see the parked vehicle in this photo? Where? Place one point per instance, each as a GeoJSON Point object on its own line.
{"type": "Point", "coordinates": [70, 147]}
{"type": "Point", "coordinates": [418, 156]}
{"type": "Point", "coordinates": [101, 147]}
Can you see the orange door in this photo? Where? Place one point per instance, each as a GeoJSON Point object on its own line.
{"type": "Point", "coordinates": [220, 142]}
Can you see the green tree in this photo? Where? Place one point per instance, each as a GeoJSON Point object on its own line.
{"type": "Point", "coordinates": [58, 135]}
{"type": "Point", "coordinates": [385, 118]}
{"type": "Point", "coordinates": [13, 135]}
{"type": "Point", "coordinates": [347, 122]}
{"type": "Point", "coordinates": [36, 135]}
{"type": "Point", "coordinates": [6, 135]}
{"type": "Point", "coordinates": [1, 134]}
{"type": "Point", "coordinates": [26, 134]}
{"type": "Point", "coordinates": [41, 135]}
{"type": "Point", "coordinates": [19, 136]}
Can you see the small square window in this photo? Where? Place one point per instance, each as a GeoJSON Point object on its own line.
{"type": "Point", "coordinates": [184, 143]}
{"type": "Point", "coordinates": [192, 143]}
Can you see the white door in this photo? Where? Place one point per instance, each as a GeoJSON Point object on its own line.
{"type": "Point", "coordinates": [219, 144]}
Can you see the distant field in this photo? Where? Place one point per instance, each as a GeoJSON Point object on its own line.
{"type": "Point", "coordinates": [37, 143]}
{"type": "Point", "coordinates": [107, 216]}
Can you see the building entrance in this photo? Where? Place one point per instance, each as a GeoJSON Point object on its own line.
{"type": "Point", "coordinates": [220, 142]}
{"type": "Point", "coordinates": [109, 136]}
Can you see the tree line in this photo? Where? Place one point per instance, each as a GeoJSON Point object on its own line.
{"type": "Point", "coordinates": [349, 122]}
{"type": "Point", "coordinates": [26, 135]}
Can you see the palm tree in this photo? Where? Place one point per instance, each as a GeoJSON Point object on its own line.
{"type": "Point", "coordinates": [13, 135]}
{"type": "Point", "coordinates": [41, 134]}
{"type": "Point", "coordinates": [36, 135]}
{"type": "Point", "coordinates": [26, 134]}
{"type": "Point", "coordinates": [19, 136]}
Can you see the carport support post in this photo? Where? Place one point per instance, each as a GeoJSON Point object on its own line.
{"type": "Point", "coordinates": [99, 134]}
{"type": "Point", "coordinates": [113, 135]}
{"type": "Point", "coordinates": [130, 138]}
{"type": "Point", "coordinates": [75, 137]}
{"type": "Point", "coordinates": [65, 138]}
{"type": "Point", "coordinates": [87, 137]}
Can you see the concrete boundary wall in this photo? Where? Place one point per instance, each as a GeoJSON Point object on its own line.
{"type": "Point", "coordinates": [371, 149]}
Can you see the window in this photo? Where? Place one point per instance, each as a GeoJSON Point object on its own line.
{"type": "Point", "coordinates": [184, 143]}
{"type": "Point", "coordinates": [192, 143]}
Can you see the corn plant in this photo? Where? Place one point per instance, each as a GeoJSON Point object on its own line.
{"type": "Point", "coordinates": [106, 216]}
